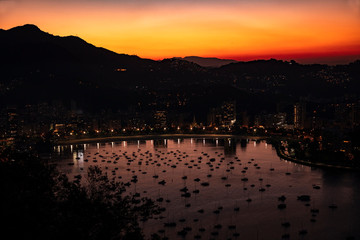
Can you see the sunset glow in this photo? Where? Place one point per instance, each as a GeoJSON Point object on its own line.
{"type": "Point", "coordinates": [308, 31]}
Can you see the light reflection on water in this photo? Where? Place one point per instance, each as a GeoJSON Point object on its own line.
{"type": "Point", "coordinates": [228, 161]}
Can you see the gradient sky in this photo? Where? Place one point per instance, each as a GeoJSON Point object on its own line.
{"type": "Point", "coordinates": [324, 31]}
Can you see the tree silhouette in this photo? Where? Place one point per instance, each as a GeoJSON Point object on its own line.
{"type": "Point", "coordinates": [38, 202]}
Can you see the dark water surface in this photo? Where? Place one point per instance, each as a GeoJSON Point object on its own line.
{"type": "Point", "coordinates": [225, 212]}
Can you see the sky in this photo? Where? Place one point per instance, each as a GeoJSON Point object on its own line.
{"type": "Point", "coordinates": [308, 31]}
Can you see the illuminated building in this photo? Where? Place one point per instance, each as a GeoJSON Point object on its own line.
{"type": "Point", "coordinates": [299, 115]}
{"type": "Point", "coordinates": [160, 119]}
{"type": "Point", "coordinates": [228, 114]}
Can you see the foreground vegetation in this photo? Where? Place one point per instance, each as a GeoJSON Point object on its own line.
{"type": "Point", "coordinates": [38, 202]}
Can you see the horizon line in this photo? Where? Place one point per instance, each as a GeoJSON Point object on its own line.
{"type": "Point", "coordinates": [304, 58]}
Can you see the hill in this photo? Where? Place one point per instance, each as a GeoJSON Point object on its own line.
{"type": "Point", "coordinates": [208, 62]}
{"type": "Point", "coordinates": [39, 67]}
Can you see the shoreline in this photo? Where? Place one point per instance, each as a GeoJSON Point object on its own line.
{"type": "Point", "coordinates": [153, 136]}
{"type": "Point", "coordinates": [282, 155]}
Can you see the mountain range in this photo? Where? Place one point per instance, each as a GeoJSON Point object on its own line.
{"type": "Point", "coordinates": [36, 66]}
{"type": "Point", "coordinates": [208, 62]}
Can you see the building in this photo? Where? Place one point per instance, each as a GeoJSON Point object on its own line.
{"type": "Point", "coordinates": [160, 119]}
{"type": "Point", "coordinates": [228, 114]}
{"type": "Point", "coordinates": [299, 115]}
{"type": "Point", "coordinates": [223, 115]}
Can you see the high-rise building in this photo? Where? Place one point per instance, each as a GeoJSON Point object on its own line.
{"type": "Point", "coordinates": [228, 114]}
{"type": "Point", "coordinates": [299, 115]}
{"type": "Point", "coordinates": [223, 116]}
{"type": "Point", "coordinates": [160, 119]}
{"type": "Point", "coordinates": [280, 120]}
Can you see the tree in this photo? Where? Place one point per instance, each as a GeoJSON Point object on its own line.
{"type": "Point", "coordinates": [38, 202]}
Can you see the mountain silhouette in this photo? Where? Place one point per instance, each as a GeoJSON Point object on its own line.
{"type": "Point", "coordinates": [29, 43]}
{"type": "Point", "coordinates": [208, 62]}
{"type": "Point", "coordinates": [44, 67]}
{"type": "Point", "coordinates": [39, 67]}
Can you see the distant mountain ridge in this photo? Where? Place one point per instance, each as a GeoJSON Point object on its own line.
{"type": "Point", "coordinates": [208, 62]}
{"type": "Point", "coordinates": [24, 37]}
{"type": "Point", "coordinates": [29, 43]}
{"type": "Point", "coordinates": [36, 66]}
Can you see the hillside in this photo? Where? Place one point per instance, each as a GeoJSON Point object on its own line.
{"type": "Point", "coordinates": [39, 67]}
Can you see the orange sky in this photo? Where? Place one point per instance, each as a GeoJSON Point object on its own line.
{"type": "Point", "coordinates": [308, 31]}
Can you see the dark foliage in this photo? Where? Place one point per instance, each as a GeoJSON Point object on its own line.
{"type": "Point", "coordinates": [37, 202]}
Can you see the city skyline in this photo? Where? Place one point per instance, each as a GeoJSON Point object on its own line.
{"type": "Point", "coordinates": [306, 31]}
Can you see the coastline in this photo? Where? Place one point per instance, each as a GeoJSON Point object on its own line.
{"type": "Point", "coordinates": [153, 136]}
{"type": "Point", "coordinates": [282, 155]}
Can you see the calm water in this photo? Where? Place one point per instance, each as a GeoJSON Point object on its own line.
{"type": "Point", "coordinates": [223, 164]}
